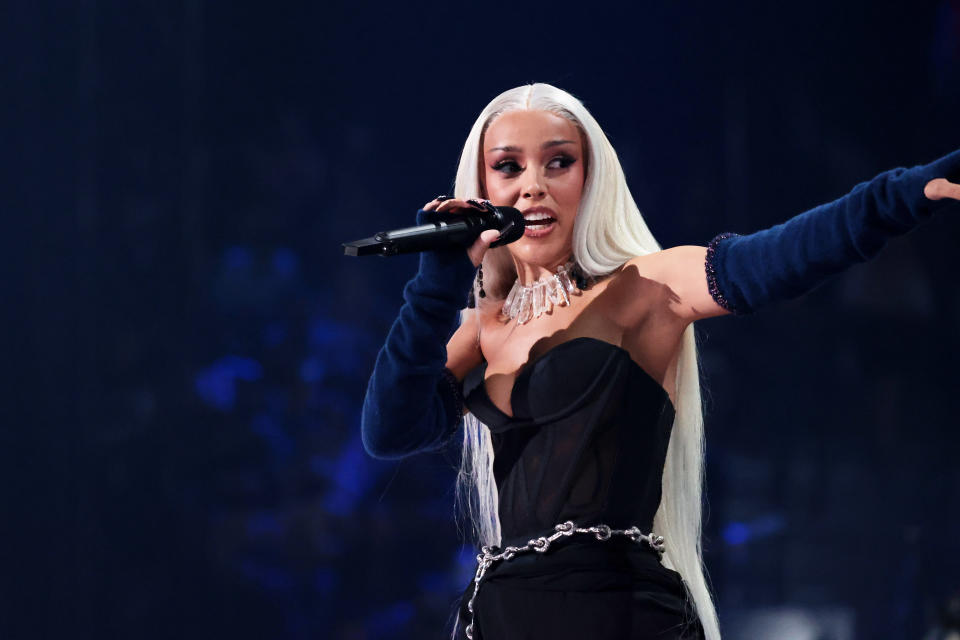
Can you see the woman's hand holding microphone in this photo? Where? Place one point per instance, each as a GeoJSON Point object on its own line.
{"type": "Point", "coordinates": [454, 206]}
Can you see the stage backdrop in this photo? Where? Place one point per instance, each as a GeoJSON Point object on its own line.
{"type": "Point", "coordinates": [188, 347]}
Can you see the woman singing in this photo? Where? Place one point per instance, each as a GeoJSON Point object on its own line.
{"type": "Point", "coordinates": [574, 369]}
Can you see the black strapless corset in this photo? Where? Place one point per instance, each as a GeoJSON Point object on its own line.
{"type": "Point", "coordinates": [587, 441]}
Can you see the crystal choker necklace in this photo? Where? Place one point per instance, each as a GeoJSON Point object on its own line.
{"type": "Point", "coordinates": [531, 301]}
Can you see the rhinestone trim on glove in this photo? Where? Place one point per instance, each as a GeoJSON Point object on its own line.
{"type": "Point", "coordinates": [711, 268]}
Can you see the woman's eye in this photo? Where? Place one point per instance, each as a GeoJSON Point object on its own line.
{"type": "Point", "coordinates": [508, 167]}
{"type": "Point", "coordinates": [561, 162]}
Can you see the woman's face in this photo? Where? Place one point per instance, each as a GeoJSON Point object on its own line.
{"type": "Point", "coordinates": [534, 162]}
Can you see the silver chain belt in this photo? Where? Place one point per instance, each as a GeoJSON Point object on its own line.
{"type": "Point", "coordinates": [487, 557]}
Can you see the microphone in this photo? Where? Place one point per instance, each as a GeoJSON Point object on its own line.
{"type": "Point", "coordinates": [441, 231]}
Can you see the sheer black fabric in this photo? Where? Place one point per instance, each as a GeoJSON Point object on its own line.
{"type": "Point", "coordinates": [587, 442]}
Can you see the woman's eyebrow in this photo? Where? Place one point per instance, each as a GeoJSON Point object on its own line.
{"type": "Point", "coordinates": [545, 145]}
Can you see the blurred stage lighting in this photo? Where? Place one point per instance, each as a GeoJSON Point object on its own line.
{"type": "Point", "coordinates": [789, 623]}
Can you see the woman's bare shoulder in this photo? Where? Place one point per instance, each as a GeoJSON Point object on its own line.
{"type": "Point", "coordinates": [681, 270]}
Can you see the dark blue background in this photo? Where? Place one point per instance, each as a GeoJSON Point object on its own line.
{"type": "Point", "coordinates": [188, 347]}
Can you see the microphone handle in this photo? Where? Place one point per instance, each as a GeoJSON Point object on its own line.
{"type": "Point", "coordinates": [462, 231]}
{"type": "Point", "coordinates": [445, 232]}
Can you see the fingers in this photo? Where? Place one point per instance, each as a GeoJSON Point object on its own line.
{"type": "Point", "coordinates": [483, 241]}
{"type": "Point", "coordinates": [941, 188]}
{"type": "Point", "coordinates": [430, 206]}
{"type": "Point", "coordinates": [454, 204]}
{"type": "Point", "coordinates": [449, 203]}
{"type": "Point", "coordinates": [490, 236]}
{"type": "Point", "coordinates": [481, 244]}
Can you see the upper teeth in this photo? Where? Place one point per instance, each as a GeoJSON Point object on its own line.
{"type": "Point", "coordinates": [536, 216]}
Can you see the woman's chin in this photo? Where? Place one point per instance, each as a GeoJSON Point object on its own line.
{"type": "Point", "coordinates": [535, 251]}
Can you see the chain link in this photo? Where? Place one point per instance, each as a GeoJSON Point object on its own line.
{"type": "Point", "coordinates": [603, 532]}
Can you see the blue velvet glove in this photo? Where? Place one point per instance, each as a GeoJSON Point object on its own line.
{"type": "Point", "coordinates": [748, 273]}
{"type": "Point", "coordinates": [413, 402]}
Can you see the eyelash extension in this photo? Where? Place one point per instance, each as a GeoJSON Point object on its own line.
{"type": "Point", "coordinates": [503, 163]}
{"type": "Point", "coordinates": [565, 161]}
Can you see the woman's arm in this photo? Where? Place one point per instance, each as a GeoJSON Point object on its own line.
{"type": "Point", "coordinates": [741, 274]}
{"type": "Point", "coordinates": [413, 400]}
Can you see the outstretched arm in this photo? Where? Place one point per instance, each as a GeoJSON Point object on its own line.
{"type": "Point", "coordinates": [742, 274]}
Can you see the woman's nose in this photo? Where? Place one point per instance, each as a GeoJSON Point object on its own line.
{"type": "Point", "coordinates": [534, 190]}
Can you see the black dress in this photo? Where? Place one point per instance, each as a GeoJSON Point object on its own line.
{"type": "Point", "coordinates": [587, 443]}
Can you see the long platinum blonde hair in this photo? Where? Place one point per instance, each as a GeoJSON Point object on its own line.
{"type": "Point", "coordinates": [608, 231]}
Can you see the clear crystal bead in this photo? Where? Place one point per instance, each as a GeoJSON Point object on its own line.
{"type": "Point", "coordinates": [539, 299]}
{"type": "Point", "coordinates": [524, 312]}
{"type": "Point", "coordinates": [512, 308]}
{"type": "Point", "coordinates": [556, 293]}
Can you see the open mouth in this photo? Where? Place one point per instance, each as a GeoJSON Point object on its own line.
{"type": "Point", "coordinates": [542, 222]}
{"type": "Point", "coordinates": [538, 221]}
{"type": "Point", "coordinates": [538, 228]}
